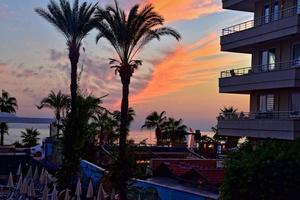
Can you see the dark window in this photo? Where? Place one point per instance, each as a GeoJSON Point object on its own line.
{"type": "Point", "coordinates": [276, 11]}
{"type": "Point", "coordinates": [266, 14]}
{"type": "Point", "coordinates": [296, 54]}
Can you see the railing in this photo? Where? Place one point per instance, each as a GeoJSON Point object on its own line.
{"type": "Point", "coordinates": [278, 115]}
{"type": "Point", "coordinates": [275, 16]}
{"type": "Point", "coordinates": [261, 68]}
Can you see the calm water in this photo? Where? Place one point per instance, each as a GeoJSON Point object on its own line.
{"type": "Point", "coordinates": [137, 136]}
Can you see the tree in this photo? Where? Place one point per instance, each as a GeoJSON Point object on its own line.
{"type": "Point", "coordinates": [30, 137]}
{"type": "Point", "coordinates": [156, 121]}
{"type": "Point", "coordinates": [265, 170]}
{"type": "Point", "coordinates": [59, 103]}
{"type": "Point", "coordinates": [128, 34]}
{"type": "Point", "coordinates": [74, 23]}
{"type": "Point", "coordinates": [175, 130]}
{"type": "Point", "coordinates": [130, 118]}
{"type": "Point", "coordinates": [228, 113]}
{"type": "Point", "coordinates": [8, 104]}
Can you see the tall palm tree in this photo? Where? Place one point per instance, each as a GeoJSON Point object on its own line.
{"type": "Point", "coordinates": [127, 34]}
{"type": "Point", "coordinates": [74, 23]}
{"type": "Point", "coordinates": [59, 103]}
{"type": "Point", "coordinates": [8, 104]}
{"type": "Point", "coordinates": [156, 121]}
{"type": "Point", "coordinates": [30, 137]}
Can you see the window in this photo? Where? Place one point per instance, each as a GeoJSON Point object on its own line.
{"type": "Point", "coordinates": [298, 6]}
{"type": "Point", "coordinates": [266, 14]}
{"type": "Point", "coordinates": [295, 104]}
{"type": "Point", "coordinates": [266, 103]}
{"type": "Point", "coordinates": [276, 11]}
{"type": "Point", "coordinates": [267, 60]}
{"type": "Point", "coordinates": [296, 54]}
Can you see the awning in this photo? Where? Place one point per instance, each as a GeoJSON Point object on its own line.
{"type": "Point", "coordinates": [11, 118]}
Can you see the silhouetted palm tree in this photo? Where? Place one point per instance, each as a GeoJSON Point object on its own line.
{"type": "Point", "coordinates": [175, 130]}
{"type": "Point", "coordinates": [74, 23]}
{"type": "Point", "coordinates": [228, 112]}
{"type": "Point", "coordinates": [59, 103]}
{"type": "Point", "coordinates": [156, 121]}
{"type": "Point", "coordinates": [8, 104]}
{"type": "Point", "coordinates": [30, 137]}
{"type": "Point", "coordinates": [128, 34]}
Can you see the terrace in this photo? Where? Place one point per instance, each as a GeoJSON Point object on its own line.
{"type": "Point", "coordinates": [237, 38]}
{"type": "Point", "coordinates": [270, 76]}
{"type": "Point", "coordinates": [279, 125]}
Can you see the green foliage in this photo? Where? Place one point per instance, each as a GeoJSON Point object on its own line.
{"type": "Point", "coordinates": [8, 104]}
{"type": "Point", "coordinates": [59, 103]}
{"type": "Point", "coordinates": [30, 137]}
{"type": "Point", "coordinates": [167, 129]}
{"type": "Point", "coordinates": [265, 170]}
{"type": "Point", "coordinates": [156, 121]}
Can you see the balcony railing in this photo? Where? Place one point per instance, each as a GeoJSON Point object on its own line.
{"type": "Point", "coordinates": [261, 68]}
{"type": "Point", "coordinates": [279, 115]}
{"type": "Point", "coordinates": [275, 16]}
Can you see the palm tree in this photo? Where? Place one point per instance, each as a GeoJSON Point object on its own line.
{"type": "Point", "coordinates": [59, 103]}
{"type": "Point", "coordinates": [128, 34]}
{"type": "Point", "coordinates": [175, 130]}
{"type": "Point", "coordinates": [106, 126]}
{"type": "Point", "coordinates": [30, 137]}
{"type": "Point", "coordinates": [130, 117]}
{"type": "Point", "coordinates": [156, 121]}
{"type": "Point", "coordinates": [228, 112]}
{"type": "Point", "coordinates": [8, 104]}
{"type": "Point", "coordinates": [74, 23]}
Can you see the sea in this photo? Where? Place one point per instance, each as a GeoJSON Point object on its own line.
{"type": "Point", "coordinates": [15, 132]}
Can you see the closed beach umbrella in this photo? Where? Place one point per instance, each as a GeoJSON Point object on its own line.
{"type": "Point", "coordinates": [45, 193]}
{"type": "Point", "coordinates": [10, 182]}
{"type": "Point", "coordinates": [19, 171]}
{"type": "Point", "coordinates": [67, 194]}
{"type": "Point", "coordinates": [78, 190]}
{"type": "Point", "coordinates": [29, 173]}
{"type": "Point", "coordinates": [54, 193]}
{"type": "Point", "coordinates": [24, 187]}
{"type": "Point", "coordinates": [101, 193]}
{"type": "Point", "coordinates": [31, 191]}
{"type": "Point", "coordinates": [90, 191]}
{"type": "Point", "coordinates": [42, 176]}
{"type": "Point", "coordinates": [36, 174]}
{"type": "Point", "coordinates": [19, 184]}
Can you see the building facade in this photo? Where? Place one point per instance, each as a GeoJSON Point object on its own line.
{"type": "Point", "coordinates": [273, 79]}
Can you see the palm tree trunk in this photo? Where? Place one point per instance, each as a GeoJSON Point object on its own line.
{"type": "Point", "coordinates": [2, 135]}
{"type": "Point", "coordinates": [71, 159]}
{"type": "Point", "coordinates": [123, 134]}
{"type": "Point", "coordinates": [74, 58]}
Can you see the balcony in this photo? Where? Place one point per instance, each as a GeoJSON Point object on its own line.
{"type": "Point", "coordinates": [244, 36]}
{"type": "Point", "coordinates": [277, 125]}
{"type": "Point", "coordinates": [240, 5]}
{"type": "Point", "coordinates": [272, 76]}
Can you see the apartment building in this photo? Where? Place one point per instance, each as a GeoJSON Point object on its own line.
{"type": "Point", "coordinates": [272, 80]}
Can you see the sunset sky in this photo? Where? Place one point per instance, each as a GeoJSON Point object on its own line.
{"type": "Point", "coordinates": [180, 78]}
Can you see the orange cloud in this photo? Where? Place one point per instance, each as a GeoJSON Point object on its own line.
{"type": "Point", "coordinates": [185, 9]}
{"type": "Point", "coordinates": [187, 66]}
